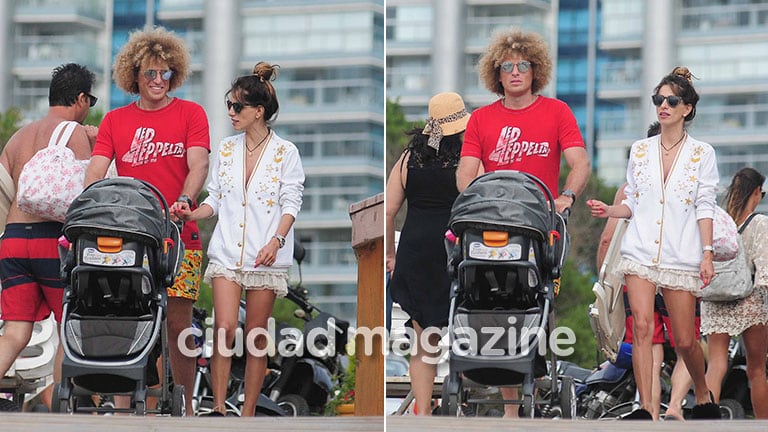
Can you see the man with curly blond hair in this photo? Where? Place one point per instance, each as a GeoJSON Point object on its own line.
{"type": "Point", "coordinates": [165, 141]}
{"type": "Point", "coordinates": [523, 130]}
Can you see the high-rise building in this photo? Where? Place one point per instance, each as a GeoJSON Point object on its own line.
{"type": "Point", "coordinates": [725, 45]}
{"type": "Point", "coordinates": [434, 45]}
{"type": "Point", "coordinates": [610, 56]}
{"type": "Point", "coordinates": [330, 87]}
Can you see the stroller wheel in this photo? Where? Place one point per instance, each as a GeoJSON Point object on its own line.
{"type": "Point", "coordinates": [141, 408]}
{"type": "Point", "coordinates": [731, 409]}
{"type": "Point", "coordinates": [451, 395]}
{"type": "Point", "coordinates": [59, 405]}
{"type": "Point", "coordinates": [528, 411]}
{"type": "Point", "coordinates": [178, 401]}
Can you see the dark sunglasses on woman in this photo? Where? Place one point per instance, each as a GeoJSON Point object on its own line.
{"type": "Point", "coordinates": [672, 100]}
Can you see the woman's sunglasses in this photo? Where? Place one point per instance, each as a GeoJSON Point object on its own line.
{"type": "Point", "coordinates": [236, 106]}
{"type": "Point", "coordinates": [672, 100]}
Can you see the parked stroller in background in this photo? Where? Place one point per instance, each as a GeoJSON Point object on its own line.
{"type": "Point", "coordinates": [506, 268]}
{"type": "Point", "coordinates": [124, 253]}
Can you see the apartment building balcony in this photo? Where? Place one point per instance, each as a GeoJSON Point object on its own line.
{"type": "Point", "coordinates": [40, 54]}
{"type": "Point", "coordinates": [90, 13]}
{"type": "Point", "coordinates": [620, 125]}
{"type": "Point", "coordinates": [718, 19]}
{"type": "Point", "coordinates": [480, 29]}
{"type": "Point", "coordinates": [620, 76]}
{"type": "Point", "coordinates": [358, 97]}
{"type": "Point", "coordinates": [180, 9]}
{"type": "Point", "coordinates": [733, 123]}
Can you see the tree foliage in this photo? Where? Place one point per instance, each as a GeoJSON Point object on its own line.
{"type": "Point", "coordinates": [10, 122]}
{"type": "Point", "coordinates": [397, 126]}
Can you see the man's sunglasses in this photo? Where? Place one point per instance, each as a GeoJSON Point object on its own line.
{"type": "Point", "coordinates": [236, 106]}
{"type": "Point", "coordinates": [522, 67]}
{"type": "Point", "coordinates": [93, 99]}
{"type": "Point", "coordinates": [672, 100]}
{"type": "Point", "coordinates": [151, 74]}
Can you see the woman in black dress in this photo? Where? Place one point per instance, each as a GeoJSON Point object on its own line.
{"type": "Point", "coordinates": [425, 176]}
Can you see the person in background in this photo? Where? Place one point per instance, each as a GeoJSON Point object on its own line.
{"type": "Point", "coordinates": [163, 140]}
{"type": "Point", "coordinates": [32, 287]}
{"type": "Point", "coordinates": [256, 190]}
{"type": "Point", "coordinates": [425, 176]}
{"type": "Point", "coordinates": [523, 130]}
{"type": "Point", "coordinates": [670, 201]}
{"type": "Point", "coordinates": [746, 317]}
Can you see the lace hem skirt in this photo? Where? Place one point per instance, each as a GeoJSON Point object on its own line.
{"type": "Point", "coordinates": [275, 280]}
{"type": "Point", "coordinates": [734, 317]}
{"type": "Point", "coordinates": [663, 278]}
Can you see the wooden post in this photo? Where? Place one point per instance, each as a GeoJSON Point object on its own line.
{"type": "Point", "coordinates": [368, 242]}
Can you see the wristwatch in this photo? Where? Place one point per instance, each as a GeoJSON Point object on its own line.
{"type": "Point", "coordinates": [570, 194]}
{"type": "Point", "coordinates": [186, 199]}
{"type": "Point", "coordinates": [280, 240]}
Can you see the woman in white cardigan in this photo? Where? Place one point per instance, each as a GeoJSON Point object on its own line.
{"type": "Point", "coordinates": [256, 190]}
{"type": "Point", "coordinates": [671, 180]}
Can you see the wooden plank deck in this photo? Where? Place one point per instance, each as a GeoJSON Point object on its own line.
{"type": "Point", "coordinates": [421, 424]}
{"type": "Point", "coordinates": [28, 422]}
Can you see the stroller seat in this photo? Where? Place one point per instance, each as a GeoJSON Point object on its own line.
{"type": "Point", "coordinates": [506, 267]}
{"type": "Point", "coordinates": [124, 252]}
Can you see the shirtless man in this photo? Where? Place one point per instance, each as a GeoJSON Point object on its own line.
{"type": "Point", "coordinates": [29, 257]}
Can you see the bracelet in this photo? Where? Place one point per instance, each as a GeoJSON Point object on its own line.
{"type": "Point", "coordinates": [707, 248]}
{"type": "Point", "coordinates": [280, 240]}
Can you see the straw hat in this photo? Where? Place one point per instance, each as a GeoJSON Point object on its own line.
{"type": "Point", "coordinates": [447, 116]}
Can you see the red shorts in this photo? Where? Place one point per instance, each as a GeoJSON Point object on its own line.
{"type": "Point", "coordinates": [31, 272]}
{"type": "Point", "coordinates": [662, 325]}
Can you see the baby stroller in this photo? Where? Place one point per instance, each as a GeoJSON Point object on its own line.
{"type": "Point", "coordinates": [505, 267]}
{"type": "Point", "coordinates": [124, 252]}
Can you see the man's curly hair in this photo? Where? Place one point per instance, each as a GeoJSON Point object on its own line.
{"type": "Point", "coordinates": [515, 41]}
{"type": "Point", "coordinates": [142, 47]}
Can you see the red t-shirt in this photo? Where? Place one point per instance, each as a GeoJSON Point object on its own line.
{"type": "Point", "coordinates": [152, 146]}
{"type": "Point", "coordinates": [530, 139]}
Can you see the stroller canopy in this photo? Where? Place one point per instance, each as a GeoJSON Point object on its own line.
{"type": "Point", "coordinates": [120, 206]}
{"type": "Point", "coordinates": [509, 199]}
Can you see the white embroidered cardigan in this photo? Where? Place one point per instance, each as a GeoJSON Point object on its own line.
{"type": "Point", "coordinates": [664, 229]}
{"type": "Point", "coordinates": [249, 214]}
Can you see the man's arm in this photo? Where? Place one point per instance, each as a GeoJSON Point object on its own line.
{"type": "Point", "coordinates": [468, 170]}
{"type": "Point", "coordinates": [197, 161]}
{"type": "Point", "coordinates": [578, 161]}
{"type": "Point", "coordinates": [97, 169]}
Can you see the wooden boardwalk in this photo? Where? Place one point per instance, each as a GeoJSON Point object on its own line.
{"type": "Point", "coordinates": [479, 424]}
{"type": "Point", "coordinates": [29, 422]}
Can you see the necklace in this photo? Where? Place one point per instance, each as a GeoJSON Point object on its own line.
{"type": "Point", "coordinates": [251, 150]}
{"type": "Point", "coordinates": [667, 150]}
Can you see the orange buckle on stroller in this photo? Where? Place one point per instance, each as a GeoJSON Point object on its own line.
{"type": "Point", "coordinates": [168, 244]}
{"type": "Point", "coordinates": [495, 238]}
{"type": "Point", "coordinates": [553, 235]}
{"type": "Point", "coordinates": [109, 244]}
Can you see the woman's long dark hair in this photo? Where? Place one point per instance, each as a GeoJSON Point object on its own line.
{"type": "Point", "coordinates": [742, 186]}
